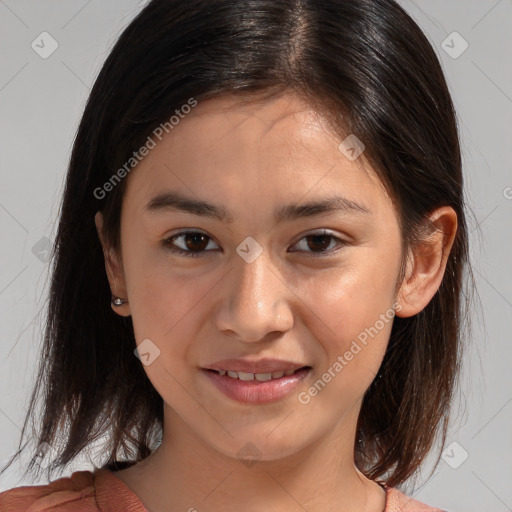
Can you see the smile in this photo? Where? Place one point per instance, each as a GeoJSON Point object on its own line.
{"type": "Point", "coordinates": [256, 388]}
{"type": "Point", "coordinates": [255, 376]}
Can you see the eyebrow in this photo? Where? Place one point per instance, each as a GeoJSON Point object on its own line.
{"type": "Point", "coordinates": [175, 201]}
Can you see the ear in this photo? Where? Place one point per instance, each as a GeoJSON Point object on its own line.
{"type": "Point", "coordinates": [114, 269]}
{"type": "Point", "coordinates": [426, 263]}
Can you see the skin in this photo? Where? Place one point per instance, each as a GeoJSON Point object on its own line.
{"type": "Point", "coordinates": [290, 303]}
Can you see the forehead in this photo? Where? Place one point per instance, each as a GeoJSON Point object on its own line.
{"type": "Point", "coordinates": [225, 146]}
{"type": "Point", "coordinates": [229, 110]}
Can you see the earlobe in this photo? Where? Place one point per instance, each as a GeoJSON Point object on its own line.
{"type": "Point", "coordinates": [426, 263]}
{"type": "Point", "coordinates": [114, 270]}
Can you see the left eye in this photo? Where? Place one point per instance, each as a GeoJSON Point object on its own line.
{"type": "Point", "coordinates": [320, 241]}
{"type": "Point", "coordinates": [194, 243]}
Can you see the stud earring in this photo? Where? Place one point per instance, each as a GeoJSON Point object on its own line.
{"type": "Point", "coordinates": [118, 301]}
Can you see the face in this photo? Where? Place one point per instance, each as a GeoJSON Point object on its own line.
{"type": "Point", "coordinates": [271, 280]}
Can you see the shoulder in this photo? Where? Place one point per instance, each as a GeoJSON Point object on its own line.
{"type": "Point", "coordinates": [83, 491]}
{"type": "Point", "coordinates": [74, 493]}
{"type": "Point", "coordinates": [397, 501]}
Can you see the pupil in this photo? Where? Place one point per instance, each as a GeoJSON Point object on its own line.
{"type": "Point", "coordinates": [197, 238]}
{"type": "Point", "coordinates": [316, 239]}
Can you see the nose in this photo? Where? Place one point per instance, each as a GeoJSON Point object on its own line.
{"type": "Point", "coordinates": [255, 303]}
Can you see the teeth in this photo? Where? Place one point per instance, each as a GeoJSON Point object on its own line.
{"type": "Point", "coordinates": [263, 376]}
{"type": "Point", "coordinates": [256, 376]}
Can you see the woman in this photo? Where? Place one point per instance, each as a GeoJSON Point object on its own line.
{"type": "Point", "coordinates": [258, 274]}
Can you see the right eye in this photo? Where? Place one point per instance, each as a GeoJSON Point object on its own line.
{"type": "Point", "coordinates": [193, 243]}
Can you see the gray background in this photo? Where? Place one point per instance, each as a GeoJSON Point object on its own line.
{"type": "Point", "coordinates": [41, 101]}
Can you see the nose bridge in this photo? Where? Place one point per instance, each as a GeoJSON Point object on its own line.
{"type": "Point", "coordinates": [255, 301]}
{"type": "Point", "coordinates": [253, 283]}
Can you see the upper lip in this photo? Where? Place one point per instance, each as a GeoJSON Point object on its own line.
{"type": "Point", "coordinates": [258, 366]}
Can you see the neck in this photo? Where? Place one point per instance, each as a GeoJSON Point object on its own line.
{"type": "Point", "coordinates": [186, 474]}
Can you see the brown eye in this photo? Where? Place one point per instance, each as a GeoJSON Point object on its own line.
{"type": "Point", "coordinates": [193, 243]}
{"type": "Point", "coordinates": [319, 243]}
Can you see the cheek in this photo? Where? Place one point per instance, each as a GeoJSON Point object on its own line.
{"type": "Point", "coordinates": [160, 296]}
{"type": "Point", "coordinates": [355, 303]}
{"type": "Point", "coordinates": [351, 299]}
{"type": "Point", "coordinates": [357, 309]}
{"type": "Point", "coordinates": [165, 308]}
{"type": "Point", "coordinates": [169, 307]}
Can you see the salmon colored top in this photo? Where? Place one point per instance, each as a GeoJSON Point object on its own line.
{"type": "Point", "coordinates": [102, 491]}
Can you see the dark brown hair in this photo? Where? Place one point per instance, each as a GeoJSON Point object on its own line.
{"type": "Point", "coordinates": [369, 69]}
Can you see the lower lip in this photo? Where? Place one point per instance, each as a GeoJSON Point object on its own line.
{"type": "Point", "coordinates": [255, 391]}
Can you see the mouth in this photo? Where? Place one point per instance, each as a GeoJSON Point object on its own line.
{"type": "Point", "coordinates": [260, 377]}
{"type": "Point", "coordinates": [259, 387]}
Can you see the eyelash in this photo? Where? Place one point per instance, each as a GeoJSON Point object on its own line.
{"type": "Point", "coordinates": [168, 244]}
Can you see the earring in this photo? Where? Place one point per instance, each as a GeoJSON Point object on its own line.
{"type": "Point", "coordinates": [118, 301]}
